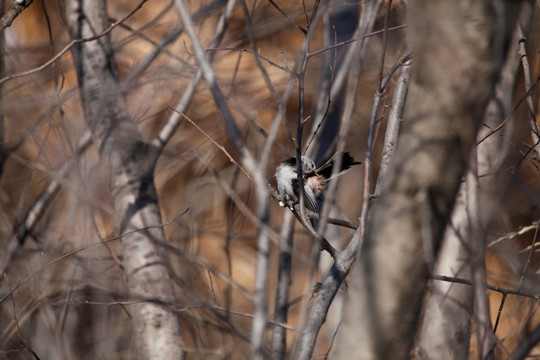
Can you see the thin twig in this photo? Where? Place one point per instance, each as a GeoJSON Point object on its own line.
{"type": "Point", "coordinates": [355, 39]}
{"type": "Point", "coordinates": [534, 226]}
{"type": "Point", "coordinates": [255, 54]}
{"type": "Point", "coordinates": [264, 233]}
{"type": "Point", "coordinates": [198, 16]}
{"type": "Point", "coordinates": [221, 147]}
{"type": "Point", "coordinates": [526, 345]}
{"type": "Point", "coordinates": [256, 171]}
{"type": "Point", "coordinates": [15, 9]}
{"type": "Point", "coordinates": [291, 20]}
{"type": "Point", "coordinates": [529, 257]}
{"type": "Point", "coordinates": [499, 312]}
{"type": "Point", "coordinates": [263, 253]}
{"type": "Point", "coordinates": [509, 117]}
{"type": "Point", "coordinates": [168, 130]}
{"type": "Point", "coordinates": [354, 53]}
{"type": "Point", "coordinates": [259, 181]}
{"type": "Point", "coordinates": [314, 215]}
{"type": "Point", "coordinates": [210, 78]}
{"type": "Point", "coordinates": [283, 286]}
{"type": "Point", "coordinates": [394, 122]}
{"type": "Point", "coordinates": [384, 44]}
{"type": "Point", "coordinates": [36, 211]}
{"type": "Point", "coordinates": [264, 73]}
{"type": "Point", "coordinates": [346, 257]}
{"type": "Point", "coordinates": [84, 248]}
{"type": "Point", "coordinates": [484, 327]}
{"type": "Point", "coordinates": [527, 75]}
{"type": "Point", "coordinates": [325, 244]}
{"type": "Point", "coordinates": [300, 125]}
{"type": "Point", "coordinates": [502, 290]}
{"type": "Point", "coordinates": [71, 44]}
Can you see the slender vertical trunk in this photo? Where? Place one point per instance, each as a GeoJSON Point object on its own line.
{"type": "Point", "coordinates": [130, 163]}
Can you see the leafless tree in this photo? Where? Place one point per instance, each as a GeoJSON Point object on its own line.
{"type": "Point", "coordinates": [139, 215]}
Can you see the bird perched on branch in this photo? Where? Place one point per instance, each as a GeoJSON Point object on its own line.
{"type": "Point", "coordinates": [315, 178]}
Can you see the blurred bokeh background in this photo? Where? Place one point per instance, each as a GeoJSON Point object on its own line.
{"type": "Point", "coordinates": [63, 292]}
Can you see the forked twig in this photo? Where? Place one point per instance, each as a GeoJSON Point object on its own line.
{"type": "Point", "coordinates": [72, 44]}
{"type": "Point", "coordinates": [221, 147]}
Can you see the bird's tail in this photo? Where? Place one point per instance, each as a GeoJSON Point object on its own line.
{"type": "Point", "coordinates": [326, 169]}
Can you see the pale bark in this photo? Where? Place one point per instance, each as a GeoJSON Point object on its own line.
{"type": "Point", "coordinates": [452, 83]}
{"type": "Point", "coordinates": [14, 8]}
{"type": "Point", "coordinates": [446, 326]}
{"type": "Point", "coordinates": [279, 334]}
{"type": "Point", "coordinates": [129, 161]}
{"type": "Point", "coordinates": [395, 117]}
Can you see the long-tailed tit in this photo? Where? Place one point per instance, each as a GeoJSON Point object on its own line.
{"type": "Point", "coordinates": [315, 178]}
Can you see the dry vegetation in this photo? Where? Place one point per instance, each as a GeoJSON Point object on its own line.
{"type": "Point", "coordinates": [63, 291]}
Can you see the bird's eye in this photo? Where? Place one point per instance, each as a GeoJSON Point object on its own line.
{"type": "Point", "coordinates": [307, 164]}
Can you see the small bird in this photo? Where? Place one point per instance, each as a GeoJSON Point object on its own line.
{"type": "Point", "coordinates": [315, 179]}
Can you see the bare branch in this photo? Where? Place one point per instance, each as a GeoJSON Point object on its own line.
{"type": "Point", "coordinates": [239, 276]}
{"type": "Point", "coordinates": [526, 345]}
{"type": "Point", "coordinates": [394, 122]}
{"type": "Point", "coordinates": [422, 179]}
{"type": "Point", "coordinates": [263, 71]}
{"type": "Point", "coordinates": [534, 226]}
{"type": "Point", "coordinates": [257, 174]}
{"type": "Point", "coordinates": [221, 147]}
{"type": "Point", "coordinates": [484, 328]}
{"type": "Point", "coordinates": [313, 215]}
{"type": "Point", "coordinates": [296, 25]}
{"type": "Point", "coordinates": [99, 243]}
{"type": "Point", "coordinates": [263, 263]}
{"type": "Point", "coordinates": [73, 43]}
{"type": "Point", "coordinates": [279, 338]}
{"type": "Point", "coordinates": [535, 133]}
{"type": "Point", "coordinates": [356, 39]}
{"type": "Point", "coordinates": [211, 80]}
{"type": "Point", "coordinates": [15, 7]}
{"type": "Point", "coordinates": [347, 256]}
{"type": "Point", "coordinates": [502, 290]}
{"type": "Point", "coordinates": [130, 163]}
{"type": "Point", "coordinates": [198, 16]}
{"type": "Point", "coordinates": [355, 53]}
{"type": "Point", "coordinates": [448, 306]}
{"type": "Point", "coordinates": [174, 120]}
{"type": "Point", "coordinates": [36, 211]}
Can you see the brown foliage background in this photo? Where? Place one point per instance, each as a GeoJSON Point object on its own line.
{"type": "Point", "coordinates": [69, 293]}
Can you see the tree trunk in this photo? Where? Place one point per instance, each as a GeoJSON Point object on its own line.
{"type": "Point", "coordinates": [452, 45]}
{"type": "Point", "coordinates": [130, 163]}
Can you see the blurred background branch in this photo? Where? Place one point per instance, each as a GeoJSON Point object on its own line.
{"type": "Point", "coordinates": [97, 172]}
